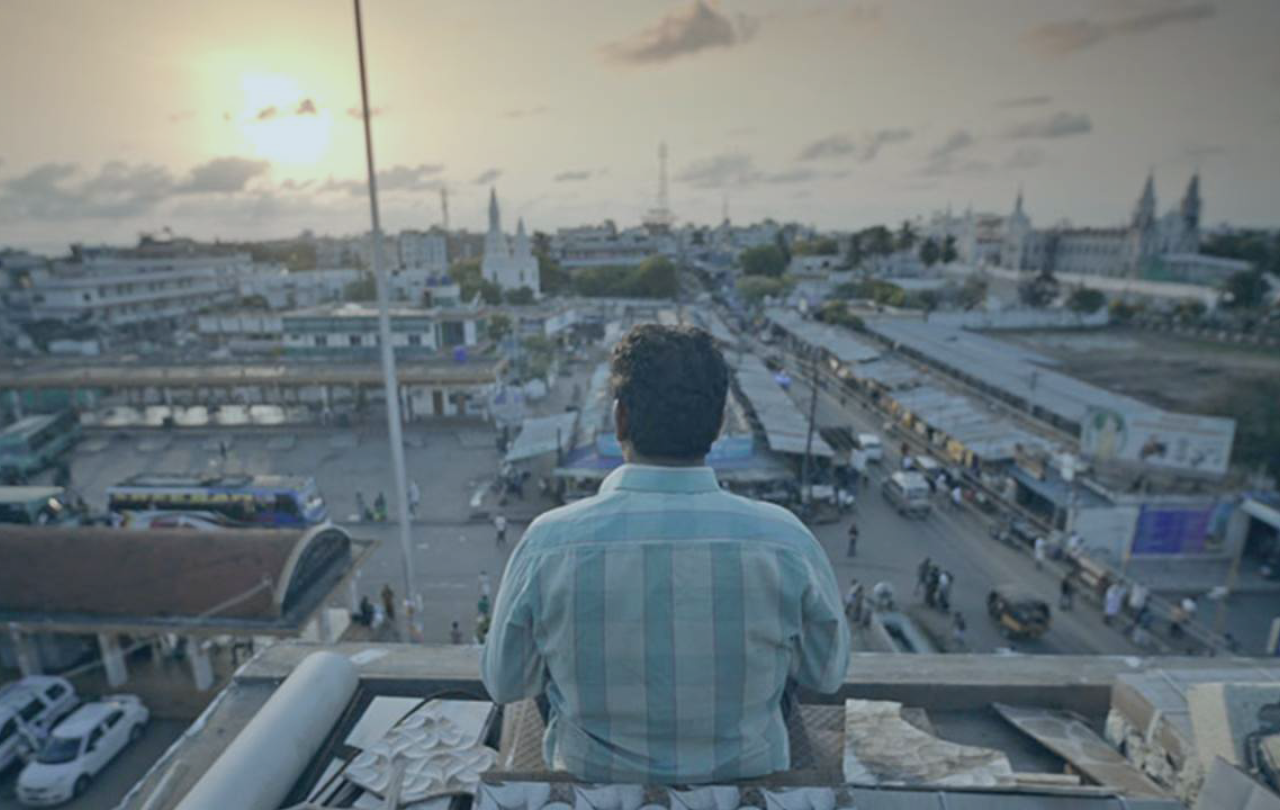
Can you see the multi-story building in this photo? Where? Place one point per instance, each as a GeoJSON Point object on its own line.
{"type": "Point", "coordinates": [424, 250]}
{"type": "Point", "coordinates": [604, 246]}
{"type": "Point", "coordinates": [125, 288]}
{"type": "Point", "coordinates": [351, 328]}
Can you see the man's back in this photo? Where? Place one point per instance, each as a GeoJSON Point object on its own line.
{"type": "Point", "coordinates": [663, 619]}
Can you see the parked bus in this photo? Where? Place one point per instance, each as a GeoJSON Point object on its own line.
{"type": "Point", "coordinates": [37, 506]}
{"type": "Point", "coordinates": [178, 500]}
{"type": "Point", "coordinates": [35, 442]}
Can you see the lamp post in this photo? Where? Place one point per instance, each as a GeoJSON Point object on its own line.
{"type": "Point", "coordinates": [391, 388]}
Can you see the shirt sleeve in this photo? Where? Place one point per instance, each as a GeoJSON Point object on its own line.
{"type": "Point", "coordinates": [823, 654]}
{"type": "Point", "coordinates": [511, 667]}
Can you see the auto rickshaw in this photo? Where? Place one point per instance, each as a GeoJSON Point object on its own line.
{"type": "Point", "coordinates": [1018, 612]}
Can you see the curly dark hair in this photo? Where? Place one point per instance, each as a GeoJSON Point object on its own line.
{"type": "Point", "coordinates": [673, 381]}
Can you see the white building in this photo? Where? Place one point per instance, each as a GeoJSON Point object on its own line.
{"type": "Point", "coordinates": [424, 250]}
{"type": "Point", "coordinates": [121, 288]}
{"type": "Point", "coordinates": [605, 246]}
{"type": "Point", "coordinates": [509, 264]}
{"type": "Point", "coordinates": [282, 289]}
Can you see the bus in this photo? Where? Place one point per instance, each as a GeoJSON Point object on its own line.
{"type": "Point", "coordinates": [37, 506]}
{"type": "Point", "coordinates": [35, 442]}
{"type": "Point", "coordinates": [154, 500]}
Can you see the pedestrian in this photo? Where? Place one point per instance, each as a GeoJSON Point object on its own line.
{"type": "Point", "coordinates": [922, 575]}
{"type": "Point", "coordinates": [1066, 593]}
{"type": "Point", "coordinates": [931, 585]}
{"type": "Point", "coordinates": [1074, 543]}
{"type": "Point", "coordinates": [415, 497]}
{"type": "Point", "coordinates": [380, 508]}
{"type": "Point", "coordinates": [958, 627]}
{"type": "Point", "coordinates": [1111, 602]}
{"type": "Point", "coordinates": [365, 614]}
{"type": "Point", "coordinates": [482, 606]}
{"type": "Point", "coordinates": [455, 634]}
{"type": "Point", "coordinates": [882, 596]}
{"type": "Point", "coordinates": [1138, 594]}
{"type": "Point", "coordinates": [1040, 547]}
{"type": "Point", "coordinates": [957, 496]}
{"type": "Point", "coordinates": [853, 603]}
{"type": "Point", "coordinates": [389, 602]}
{"type": "Point", "coordinates": [944, 591]}
{"type": "Point", "coordinates": [222, 450]}
{"type": "Point", "coordinates": [500, 526]}
{"type": "Point", "coordinates": [853, 541]}
{"type": "Point", "coordinates": [484, 583]}
{"type": "Point", "coordinates": [482, 627]}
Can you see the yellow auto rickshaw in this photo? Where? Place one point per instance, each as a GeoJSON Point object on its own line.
{"type": "Point", "coordinates": [1018, 612]}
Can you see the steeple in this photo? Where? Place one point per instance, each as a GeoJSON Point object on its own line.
{"type": "Point", "coordinates": [1017, 206]}
{"type": "Point", "coordinates": [495, 223]}
{"type": "Point", "coordinates": [1144, 213]}
{"type": "Point", "coordinates": [1191, 202]}
{"type": "Point", "coordinates": [521, 248]}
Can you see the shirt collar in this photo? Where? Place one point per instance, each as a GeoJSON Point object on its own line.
{"type": "Point", "coordinates": [651, 478]}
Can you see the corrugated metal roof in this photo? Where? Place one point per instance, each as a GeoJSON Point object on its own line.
{"type": "Point", "coordinates": [542, 435]}
{"type": "Point", "coordinates": [785, 429]}
{"type": "Point", "coordinates": [839, 342]}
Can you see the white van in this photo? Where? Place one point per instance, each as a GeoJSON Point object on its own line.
{"type": "Point", "coordinates": [908, 493]}
{"type": "Point", "coordinates": [29, 708]}
{"type": "Point", "coordinates": [870, 445]}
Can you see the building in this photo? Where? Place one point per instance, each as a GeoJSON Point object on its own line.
{"type": "Point", "coordinates": [423, 250]}
{"type": "Point", "coordinates": [604, 246]}
{"type": "Point", "coordinates": [129, 288]}
{"type": "Point", "coordinates": [282, 289]}
{"type": "Point", "coordinates": [509, 264]}
{"type": "Point", "coordinates": [1147, 247]}
{"type": "Point", "coordinates": [352, 329]}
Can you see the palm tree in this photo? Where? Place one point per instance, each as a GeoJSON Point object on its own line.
{"type": "Point", "coordinates": [906, 235]}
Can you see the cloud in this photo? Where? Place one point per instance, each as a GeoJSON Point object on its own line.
{"type": "Point", "coordinates": [526, 112]}
{"type": "Point", "coordinates": [307, 107]}
{"type": "Point", "coordinates": [683, 32]}
{"type": "Point", "coordinates": [1025, 101]}
{"type": "Point", "coordinates": [735, 169]}
{"type": "Point", "coordinates": [1071, 36]}
{"type": "Point", "coordinates": [54, 191]}
{"type": "Point", "coordinates": [181, 115]}
{"type": "Point", "coordinates": [864, 149]}
{"type": "Point", "coordinates": [222, 176]}
{"type": "Point", "coordinates": [572, 176]}
{"type": "Point", "coordinates": [487, 176]}
{"type": "Point", "coordinates": [1058, 125]}
{"type": "Point", "coordinates": [423, 177]}
{"type": "Point", "coordinates": [356, 113]}
{"type": "Point", "coordinates": [1026, 157]}
{"type": "Point", "coordinates": [267, 113]}
{"type": "Point", "coordinates": [949, 157]}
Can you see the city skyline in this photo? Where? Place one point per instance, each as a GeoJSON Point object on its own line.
{"type": "Point", "coordinates": [839, 115]}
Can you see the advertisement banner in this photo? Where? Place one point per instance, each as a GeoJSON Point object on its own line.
{"type": "Point", "coordinates": [1172, 530]}
{"type": "Point", "coordinates": [1159, 439]}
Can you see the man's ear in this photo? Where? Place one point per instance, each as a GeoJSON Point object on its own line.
{"type": "Point", "coordinates": [621, 420]}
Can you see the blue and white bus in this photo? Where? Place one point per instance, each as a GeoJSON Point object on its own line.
{"type": "Point", "coordinates": [154, 500]}
{"type": "Point", "coordinates": [35, 442]}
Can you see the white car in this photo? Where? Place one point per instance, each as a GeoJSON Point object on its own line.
{"type": "Point", "coordinates": [79, 748]}
{"type": "Point", "coordinates": [29, 708]}
{"type": "Point", "coordinates": [869, 444]}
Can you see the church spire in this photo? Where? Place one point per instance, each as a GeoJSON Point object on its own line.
{"type": "Point", "coordinates": [1144, 213]}
{"type": "Point", "coordinates": [495, 223]}
{"type": "Point", "coordinates": [1191, 201]}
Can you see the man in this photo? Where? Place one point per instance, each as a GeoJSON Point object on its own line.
{"type": "Point", "coordinates": [389, 602]}
{"type": "Point", "coordinates": [455, 634]}
{"type": "Point", "coordinates": [484, 583]}
{"type": "Point", "coordinates": [853, 540]}
{"type": "Point", "coordinates": [415, 497]}
{"type": "Point", "coordinates": [664, 619]}
{"type": "Point", "coordinates": [500, 527]}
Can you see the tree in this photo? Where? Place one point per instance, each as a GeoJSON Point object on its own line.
{"type": "Point", "coordinates": [1086, 300]}
{"type": "Point", "coordinates": [1246, 289]}
{"type": "Point", "coordinates": [926, 300]}
{"type": "Point", "coordinates": [362, 289]}
{"type": "Point", "coordinates": [754, 289]}
{"type": "Point", "coordinates": [837, 313]}
{"type": "Point", "coordinates": [930, 252]}
{"type": "Point", "coordinates": [973, 292]}
{"type": "Point", "coordinates": [765, 260]}
{"type": "Point", "coordinates": [499, 326]}
{"type": "Point", "coordinates": [471, 282]}
{"type": "Point", "coordinates": [783, 246]}
{"type": "Point", "coordinates": [906, 235]}
{"type": "Point", "coordinates": [1039, 292]}
{"type": "Point", "coordinates": [1260, 248]}
{"type": "Point", "coordinates": [553, 279]}
{"type": "Point", "coordinates": [519, 297]}
{"type": "Point", "coordinates": [949, 253]}
{"type": "Point", "coordinates": [877, 240]}
{"type": "Point", "coordinates": [654, 278]}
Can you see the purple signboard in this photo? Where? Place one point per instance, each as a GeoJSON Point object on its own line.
{"type": "Point", "coordinates": [1170, 530]}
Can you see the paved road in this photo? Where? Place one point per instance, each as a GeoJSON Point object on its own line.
{"type": "Point", "coordinates": [891, 547]}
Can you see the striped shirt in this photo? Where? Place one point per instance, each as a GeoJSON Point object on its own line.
{"type": "Point", "coordinates": [663, 619]}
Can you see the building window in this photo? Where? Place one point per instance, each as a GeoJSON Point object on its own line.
{"type": "Point", "coordinates": [322, 340]}
{"type": "Point", "coordinates": [415, 340]}
{"type": "Point", "coordinates": [353, 340]}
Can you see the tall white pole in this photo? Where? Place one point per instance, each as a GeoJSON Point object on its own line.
{"type": "Point", "coordinates": [391, 388]}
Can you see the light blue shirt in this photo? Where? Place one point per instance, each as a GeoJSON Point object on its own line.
{"type": "Point", "coordinates": [663, 618]}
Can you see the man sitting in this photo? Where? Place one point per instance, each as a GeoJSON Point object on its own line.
{"type": "Point", "coordinates": [664, 618]}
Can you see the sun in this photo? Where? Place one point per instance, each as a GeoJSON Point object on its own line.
{"type": "Point", "coordinates": [281, 123]}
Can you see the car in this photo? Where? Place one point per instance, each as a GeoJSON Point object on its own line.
{"type": "Point", "coordinates": [79, 748]}
{"type": "Point", "coordinates": [871, 446]}
{"type": "Point", "coordinates": [28, 709]}
{"type": "Point", "coordinates": [908, 493]}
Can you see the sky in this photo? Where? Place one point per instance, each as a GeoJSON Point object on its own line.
{"type": "Point", "coordinates": [239, 119]}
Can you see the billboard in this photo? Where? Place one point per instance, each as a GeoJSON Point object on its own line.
{"type": "Point", "coordinates": [1177, 530]}
{"type": "Point", "coordinates": [1200, 444]}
